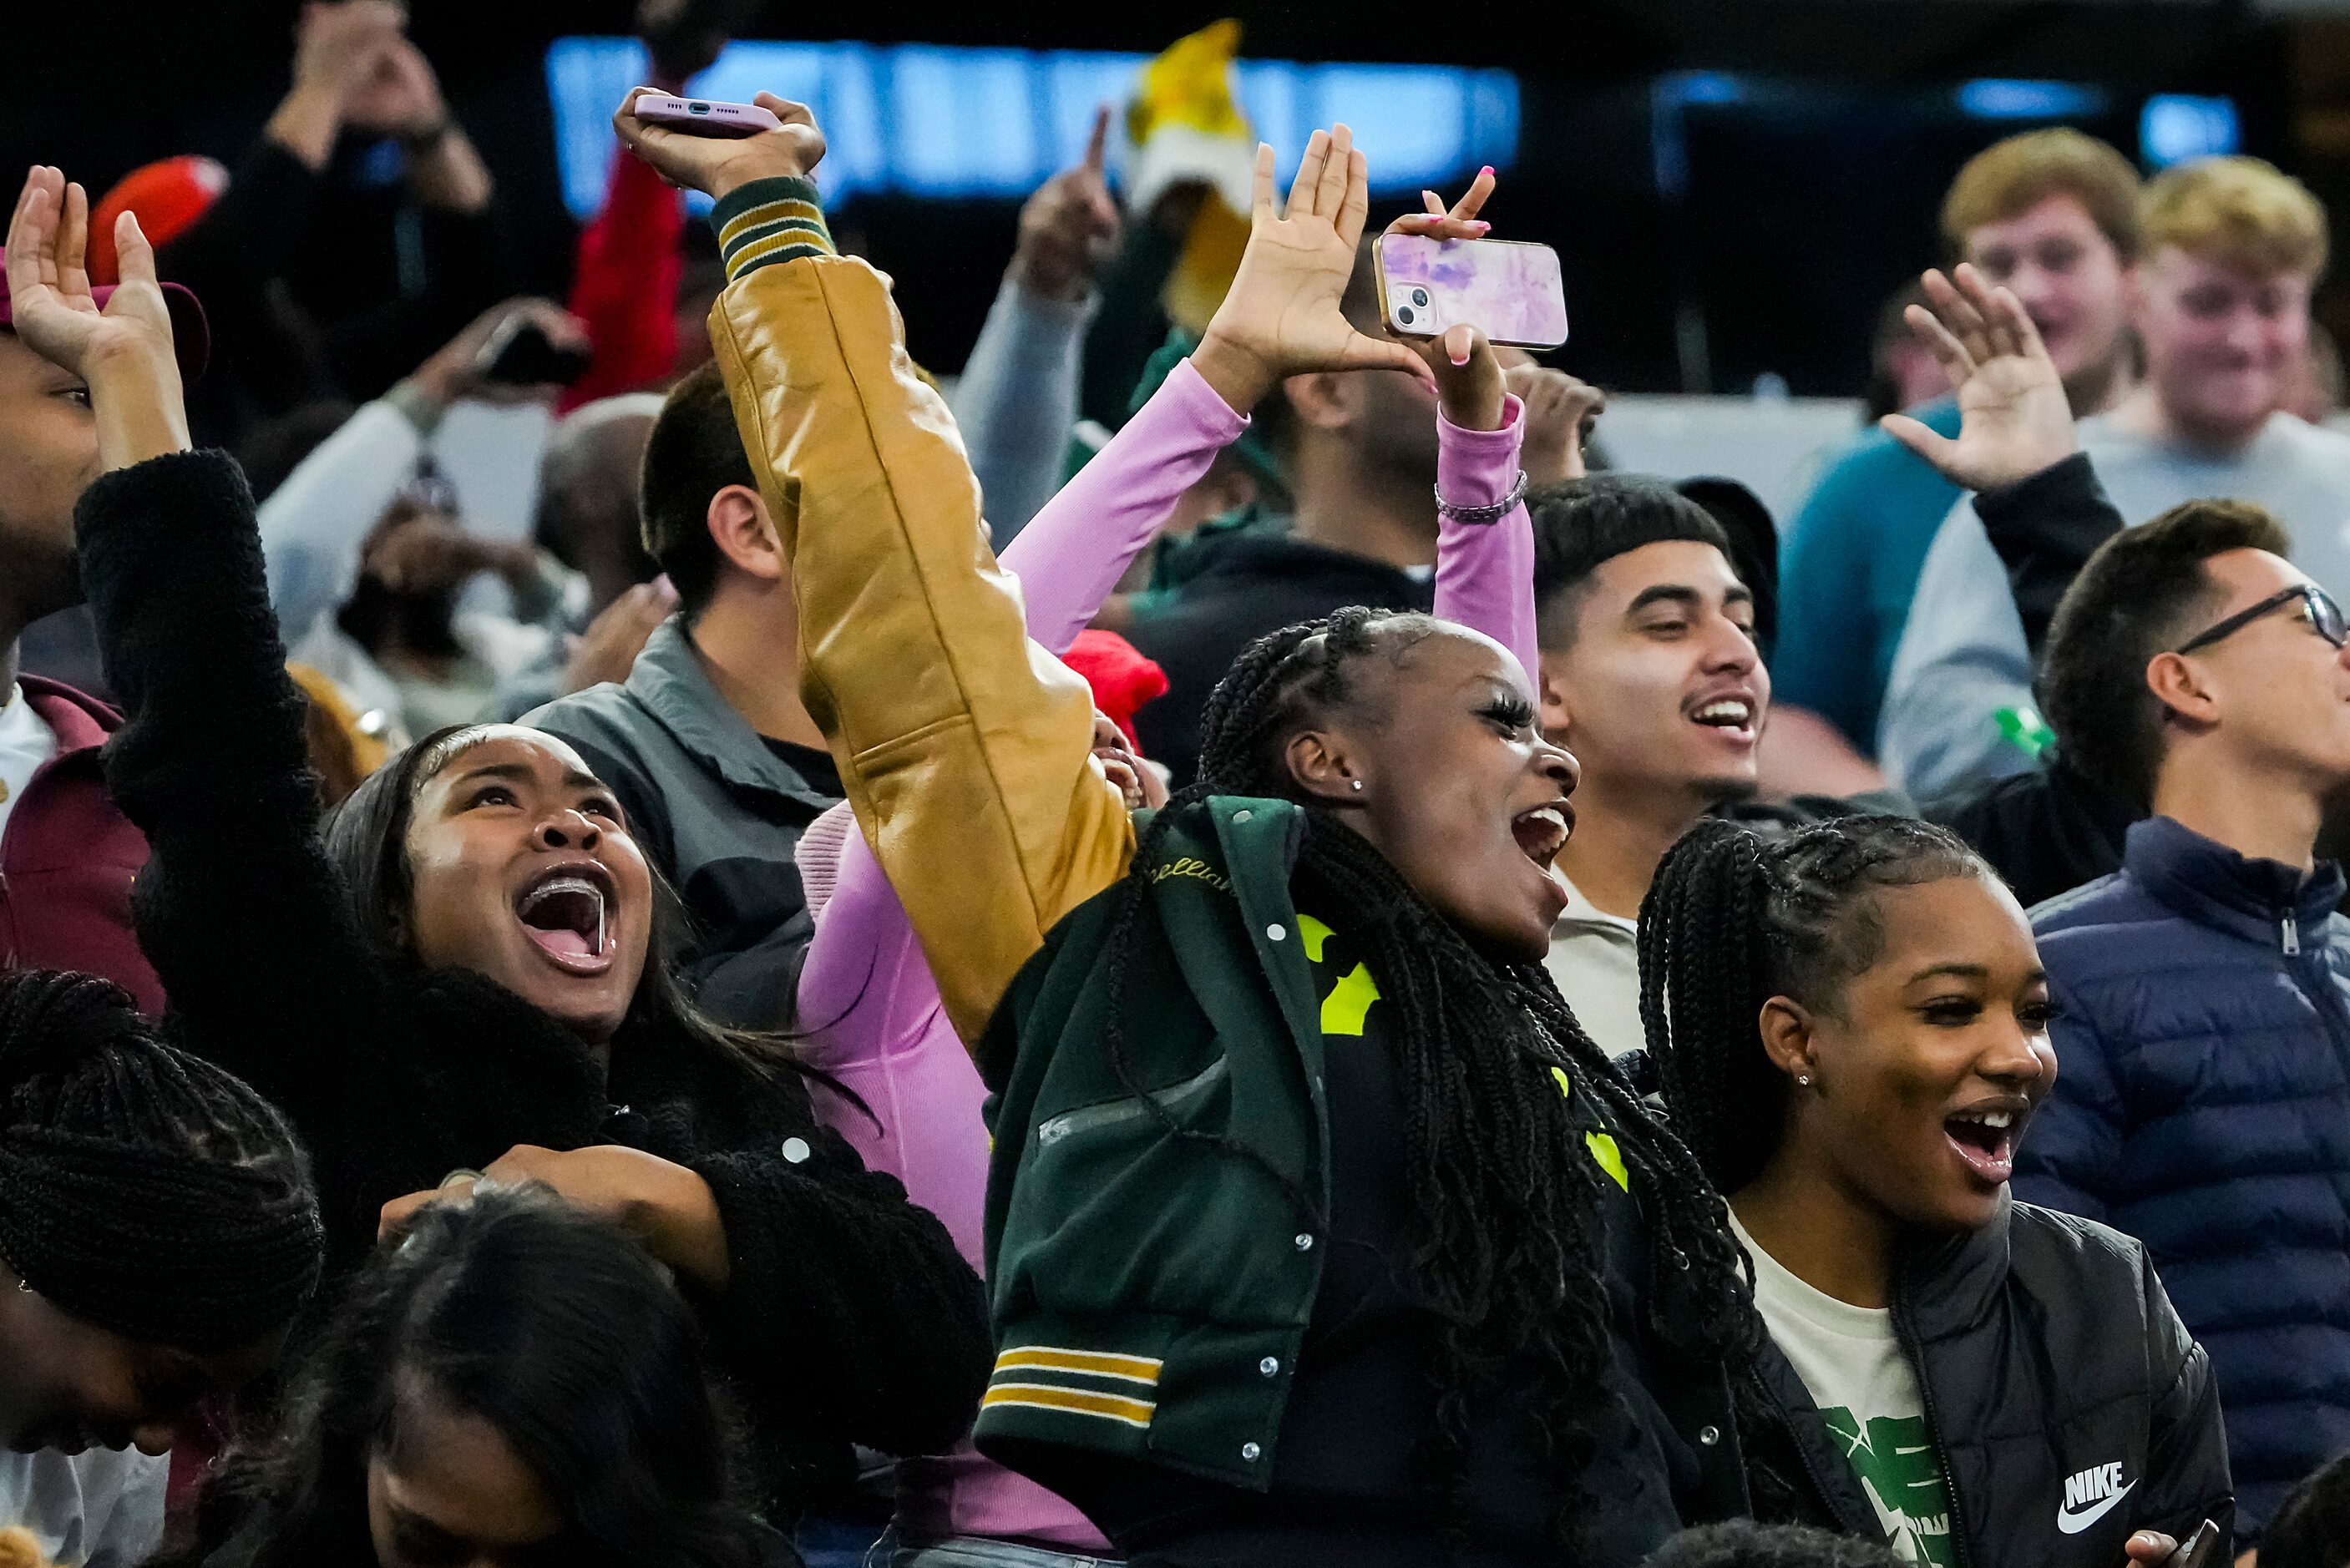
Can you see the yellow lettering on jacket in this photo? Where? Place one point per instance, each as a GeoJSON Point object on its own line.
{"type": "Point", "coordinates": [1192, 867]}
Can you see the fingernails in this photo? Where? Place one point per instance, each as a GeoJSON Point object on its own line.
{"type": "Point", "coordinates": [1485, 171]}
{"type": "Point", "coordinates": [1482, 226]}
{"type": "Point", "coordinates": [1458, 360]}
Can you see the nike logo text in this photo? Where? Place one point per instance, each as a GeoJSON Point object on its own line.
{"type": "Point", "coordinates": [2091, 1495]}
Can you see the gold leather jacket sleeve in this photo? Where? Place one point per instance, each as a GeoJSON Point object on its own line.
{"type": "Point", "coordinates": [965, 748]}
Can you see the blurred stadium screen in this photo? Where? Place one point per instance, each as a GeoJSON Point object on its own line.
{"type": "Point", "coordinates": [929, 120]}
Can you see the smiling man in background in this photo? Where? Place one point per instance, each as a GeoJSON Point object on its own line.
{"type": "Point", "coordinates": [1650, 677]}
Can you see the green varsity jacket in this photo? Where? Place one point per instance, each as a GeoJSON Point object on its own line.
{"type": "Point", "coordinates": [1151, 1291]}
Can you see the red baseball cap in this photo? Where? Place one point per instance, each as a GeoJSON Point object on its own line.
{"type": "Point", "coordinates": [191, 339]}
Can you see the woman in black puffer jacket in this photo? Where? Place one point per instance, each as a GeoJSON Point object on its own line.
{"type": "Point", "coordinates": [1852, 1027]}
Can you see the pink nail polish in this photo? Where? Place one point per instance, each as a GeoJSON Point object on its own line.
{"type": "Point", "coordinates": [1482, 226]}
{"type": "Point", "coordinates": [1487, 169]}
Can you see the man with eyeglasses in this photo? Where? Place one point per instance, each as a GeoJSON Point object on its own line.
{"type": "Point", "coordinates": [2203, 991]}
{"type": "Point", "coordinates": [2220, 297]}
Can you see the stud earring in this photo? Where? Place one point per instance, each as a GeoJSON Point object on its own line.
{"type": "Point", "coordinates": [1804, 1080]}
{"type": "Point", "coordinates": [1359, 783]}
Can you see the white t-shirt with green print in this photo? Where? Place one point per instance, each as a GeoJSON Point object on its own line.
{"type": "Point", "coordinates": [1850, 1359]}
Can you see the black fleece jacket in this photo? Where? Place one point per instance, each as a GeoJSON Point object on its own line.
{"type": "Point", "coordinates": [848, 1315]}
{"type": "Point", "coordinates": [2049, 830]}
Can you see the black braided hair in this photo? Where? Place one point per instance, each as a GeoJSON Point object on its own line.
{"type": "Point", "coordinates": [1733, 920]}
{"type": "Point", "coordinates": [142, 1188]}
{"type": "Point", "coordinates": [1506, 1242]}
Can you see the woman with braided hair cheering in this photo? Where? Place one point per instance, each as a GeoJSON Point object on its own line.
{"type": "Point", "coordinates": [1301, 1174]}
{"type": "Point", "coordinates": [158, 1235]}
{"type": "Point", "coordinates": [1852, 1027]}
{"type": "Point", "coordinates": [1401, 1272]}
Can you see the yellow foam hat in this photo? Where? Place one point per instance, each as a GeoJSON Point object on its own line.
{"type": "Point", "coordinates": [1185, 128]}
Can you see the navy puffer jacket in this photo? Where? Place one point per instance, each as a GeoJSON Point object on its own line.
{"type": "Point", "coordinates": [2203, 1107]}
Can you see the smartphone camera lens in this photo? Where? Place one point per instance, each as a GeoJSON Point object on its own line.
{"type": "Point", "coordinates": [1403, 316]}
{"type": "Point", "coordinates": [696, 109]}
{"type": "Point", "coordinates": [1419, 297]}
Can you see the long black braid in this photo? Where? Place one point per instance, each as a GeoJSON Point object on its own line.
{"type": "Point", "coordinates": [1733, 920]}
{"type": "Point", "coordinates": [142, 1188]}
{"type": "Point", "coordinates": [1507, 1241]}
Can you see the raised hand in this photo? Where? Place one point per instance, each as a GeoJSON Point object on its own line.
{"type": "Point", "coordinates": [454, 370]}
{"type": "Point", "coordinates": [400, 96]}
{"type": "Point", "coordinates": [1281, 317]}
{"type": "Point", "coordinates": [2013, 418]}
{"type": "Point", "coordinates": [414, 551]}
{"type": "Point", "coordinates": [1069, 228]}
{"type": "Point", "coordinates": [1468, 382]}
{"type": "Point", "coordinates": [715, 165]}
{"type": "Point", "coordinates": [124, 351]}
{"type": "Point", "coordinates": [337, 47]}
{"type": "Point", "coordinates": [607, 650]}
{"type": "Point", "coordinates": [1560, 411]}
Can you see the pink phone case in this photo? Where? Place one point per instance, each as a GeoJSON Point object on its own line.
{"type": "Point", "coordinates": [1510, 289]}
{"type": "Point", "coordinates": [706, 116]}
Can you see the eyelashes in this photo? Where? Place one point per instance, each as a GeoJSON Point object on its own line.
{"type": "Point", "coordinates": [1511, 713]}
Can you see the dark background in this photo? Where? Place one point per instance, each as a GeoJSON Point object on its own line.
{"type": "Point", "coordinates": [1807, 202]}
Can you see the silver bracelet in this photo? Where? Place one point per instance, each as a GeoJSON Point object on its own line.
{"type": "Point", "coordinates": [1493, 513]}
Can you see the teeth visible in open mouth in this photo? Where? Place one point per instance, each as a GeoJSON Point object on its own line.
{"type": "Point", "coordinates": [1541, 833]}
{"type": "Point", "coordinates": [566, 914]}
{"type": "Point", "coordinates": [1997, 1120]}
{"type": "Point", "coordinates": [1730, 714]}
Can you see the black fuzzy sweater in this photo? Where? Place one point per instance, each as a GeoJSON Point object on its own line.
{"type": "Point", "coordinates": [848, 1316]}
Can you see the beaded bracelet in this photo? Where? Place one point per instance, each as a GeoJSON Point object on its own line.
{"type": "Point", "coordinates": [1493, 513]}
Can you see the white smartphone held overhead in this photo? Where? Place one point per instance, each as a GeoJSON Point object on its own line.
{"type": "Point", "coordinates": [705, 116]}
{"type": "Point", "coordinates": [1510, 290]}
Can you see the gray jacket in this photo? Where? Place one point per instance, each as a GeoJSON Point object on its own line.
{"type": "Point", "coordinates": [717, 812]}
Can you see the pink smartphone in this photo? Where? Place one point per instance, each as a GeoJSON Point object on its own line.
{"type": "Point", "coordinates": [706, 116]}
{"type": "Point", "coordinates": [1510, 289]}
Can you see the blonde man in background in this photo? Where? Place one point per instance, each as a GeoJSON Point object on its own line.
{"type": "Point", "coordinates": [2054, 215]}
{"type": "Point", "coordinates": [2220, 298]}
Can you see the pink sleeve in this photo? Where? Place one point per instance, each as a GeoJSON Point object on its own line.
{"type": "Point", "coordinates": [864, 987]}
{"type": "Point", "coordinates": [1485, 571]}
{"type": "Point", "coordinates": [1074, 551]}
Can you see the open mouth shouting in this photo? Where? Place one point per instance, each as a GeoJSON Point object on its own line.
{"type": "Point", "coordinates": [1543, 832]}
{"type": "Point", "coordinates": [1984, 1137]}
{"type": "Point", "coordinates": [567, 912]}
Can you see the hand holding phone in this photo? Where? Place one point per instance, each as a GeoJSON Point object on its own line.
{"type": "Point", "coordinates": [2207, 1548]}
{"type": "Point", "coordinates": [521, 353]}
{"type": "Point", "coordinates": [771, 138]}
{"type": "Point", "coordinates": [705, 116]}
{"type": "Point", "coordinates": [1510, 290]}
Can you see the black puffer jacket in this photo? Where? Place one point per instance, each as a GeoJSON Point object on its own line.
{"type": "Point", "coordinates": [848, 1316]}
{"type": "Point", "coordinates": [2048, 1355]}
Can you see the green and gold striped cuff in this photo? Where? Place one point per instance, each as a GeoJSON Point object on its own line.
{"type": "Point", "coordinates": [768, 221]}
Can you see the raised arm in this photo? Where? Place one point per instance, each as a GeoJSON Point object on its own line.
{"type": "Point", "coordinates": [963, 750]}
{"type": "Point", "coordinates": [1484, 564]}
{"type": "Point", "coordinates": [210, 764]}
{"type": "Point", "coordinates": [2040, 504]}
{"type": "Point", "coordinates": [1017, 400]}
{"type": "Point", "coordinates": [315, 525]}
